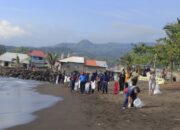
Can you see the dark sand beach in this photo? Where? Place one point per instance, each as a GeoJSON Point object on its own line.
{"type": "Point", "coordinates": [103, 112]}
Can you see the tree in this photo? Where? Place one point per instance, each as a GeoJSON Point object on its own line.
{"type": "Point", "coordinates": [21, 50]}
{"type": "Point", "coordinates": [172, 43]}
{"type": "Point", "coordinates": [16, 61]}
{"type": "Point", "coordinates": [51, 59]}
{"type": "Point", "coordinates": [165, 53]}
{"type": "Point", "coordinates": [126, 59]}
{"type": "Point", "coordinates": [2, 49]}
{"type": "Point", "coordinates": [142, 54]}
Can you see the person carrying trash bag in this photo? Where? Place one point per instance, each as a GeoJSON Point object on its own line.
{"type": "Point", "coordinates": [130, 94]}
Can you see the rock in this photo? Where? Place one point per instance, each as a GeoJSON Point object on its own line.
{"type": "Point", "coordinates": [44, 75]}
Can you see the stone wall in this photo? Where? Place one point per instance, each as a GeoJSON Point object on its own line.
{"type": "Point", "coordinates": [21, 73]}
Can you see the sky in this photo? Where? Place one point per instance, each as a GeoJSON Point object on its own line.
{"type": "Point", "coordinates": [49, 22]}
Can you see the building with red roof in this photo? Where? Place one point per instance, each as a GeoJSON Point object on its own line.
{"type": "Point", "coordinates": [76, 63]}
{"type": "Point", "coordinates": [37, 53]}
{"type": "Point", "coordinates": [93, 65]}
{"type": "Point", "coordinates": [90, 63]}
{"type": "Point", "coordinates": [37, 58]}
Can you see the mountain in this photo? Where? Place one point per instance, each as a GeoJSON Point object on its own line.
{"type": "Point", "coordinates": [86, 48]}
{"type": "Point", "coordinates": [98, 51]}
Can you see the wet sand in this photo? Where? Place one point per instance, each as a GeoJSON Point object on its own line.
{"type": "Point", "coordinates": [103, 112]}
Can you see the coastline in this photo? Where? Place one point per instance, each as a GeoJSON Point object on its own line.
{"type": "Point", "coordinates": [64, 115]}
{"type": "Point", "coordinates": [103, 112]}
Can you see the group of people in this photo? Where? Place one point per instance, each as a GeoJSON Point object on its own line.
{"type": "Point", "coordinates": [86, 83]}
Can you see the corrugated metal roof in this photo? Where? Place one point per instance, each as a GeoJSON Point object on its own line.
{"type": "Point", "coordinates": [37, 53]}
{"type": "Point", "coordinates": [73, 59]}
{"type": "Point", "coordinates": [90, 63]}
{"type": "Point", "coordinates": [8, 56]}
{"type": "Point", "coordinates": [101, 64]}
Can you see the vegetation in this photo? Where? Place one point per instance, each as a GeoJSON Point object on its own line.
{"type": "Point", "coordinates": [51, 59]}
{"type": "Point", "coordinates": [21, 50]}
{"type": "Point", "coordinates": [166, 50]}
{"type": "Point", "coordinates": [16, 61]}
{"type": "Point", "coordinates": [2, 49]}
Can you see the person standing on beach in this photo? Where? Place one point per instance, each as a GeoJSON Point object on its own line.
{"type": "Point", "coordinates": [82, 79]}
{"type": "Point", "coordinates": [73, 80]}
{"type": "Point", "coordinates": [115, 88]}
{"type": "Point", "coordinates": [98, 82]}
{"type": "Point", "coordinates": [121, 81]}
{"type": "Point", "coordinates": [135, 76]}
{"type": "Point", "coordinates": [105, 83]}
{"type": "Point", "coordinates": [152, 82]}
{"type": "Point", "coordinates": [127, 76]}
{"type": "Point", "coordinates": [101, 81]}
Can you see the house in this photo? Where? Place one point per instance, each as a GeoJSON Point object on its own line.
{"type": "Point", "coordinates": [93, 65]}
{"type": "Point", "coordinates": [37, 58]}
{"type": "Point", "coordinates": [73, 63]}
{"type": "Point", "coordinates": [6, 59]}
{"type": "Point", "coordinates": [102, 64]}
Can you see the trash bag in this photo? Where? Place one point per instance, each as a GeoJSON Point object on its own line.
{"type": "Point", "coordinates": [76, 85]}
{"type": "Point", "coordinates": [57, 79]}
{"type": "Point", "coordinates": [87, 86]}
{"type": "Point", "coordinates": [138, 103]}
{"type": "Point", "coordinates": [156, 90]}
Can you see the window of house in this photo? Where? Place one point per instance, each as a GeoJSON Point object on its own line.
{"type": "Point", "coordinates": [6, 63]}
{"type": "Point", "coordinates": [40, 58]}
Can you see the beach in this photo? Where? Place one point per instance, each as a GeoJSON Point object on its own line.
{"type": "Point", "coordinates": [103, 111]}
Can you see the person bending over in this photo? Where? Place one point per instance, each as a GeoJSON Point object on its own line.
{"type": "Point", "coordinates": [130, 94]}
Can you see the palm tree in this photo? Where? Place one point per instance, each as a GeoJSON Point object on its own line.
{"type": "Point", "coordinates": [16, 61]}
{"type": "Point", "coordinates": [51, 59]}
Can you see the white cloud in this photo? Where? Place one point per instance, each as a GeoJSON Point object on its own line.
{"type": "Point", "coordinates": [7, 30]}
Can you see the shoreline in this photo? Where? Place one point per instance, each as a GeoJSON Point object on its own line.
{"type": "Point", "coordinates": [66, 114]}
{"type": "Point", "coordinates": [103, 111]}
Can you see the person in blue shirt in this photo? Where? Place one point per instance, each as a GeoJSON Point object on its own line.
{"type": "Point", "coordinates": [82, 79]}
{"type": "Point", "coordinates": [105, 82]}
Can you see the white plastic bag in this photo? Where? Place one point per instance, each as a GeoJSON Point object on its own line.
{"type": "Point", "coordinates": [87, 85]}
{"type": "Point", "coordinates": [65, 79]}
{"type": "Point", "coordinates": [138, 103]}
{"type": "Point", "coordinates": [156, 90]}
{"type": "Point", "coordinates": [76, 85]}
{"type": "Point", "coordinates": [93, 84]}
{"type": "Point", "coordinates": [57, 79]}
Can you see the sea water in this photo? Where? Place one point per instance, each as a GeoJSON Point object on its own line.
{"type": "Point", "coordinates": [18, 101]}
